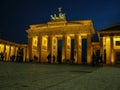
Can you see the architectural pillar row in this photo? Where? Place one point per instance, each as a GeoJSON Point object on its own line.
{"type": "Point", "coordinates": [6, 51]}
{"type": "Point", "coordinates": [10, 50]}
{"type": "Point", "coordinates": [48, 45]}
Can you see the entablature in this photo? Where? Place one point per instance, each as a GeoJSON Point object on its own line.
{"type": "Point", "coordinates": [62, 27]}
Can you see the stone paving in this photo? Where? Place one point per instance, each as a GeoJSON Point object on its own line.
{"type": "Point", "coordinates": [33, 76]}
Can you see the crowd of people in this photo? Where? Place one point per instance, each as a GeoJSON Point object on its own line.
{"type": "Point", "coordinates": [17, 58]}
{"type": "Point", "coordinates": [49, 57]}
{"type": "Point", "coordinates": [96, 59]}
{"type": "Point", "coordinates": [54, 59]}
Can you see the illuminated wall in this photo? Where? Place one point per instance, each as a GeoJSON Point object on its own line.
{"type": "Point", "coordinates": [116, 42]}
{"type": "Point", "coordinates": [49, 33]}
{"type": "Point", "coordinates": [111, 45]}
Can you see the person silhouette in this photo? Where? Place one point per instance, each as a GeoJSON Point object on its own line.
{"type": "Point", "coordinates": [49, 58]}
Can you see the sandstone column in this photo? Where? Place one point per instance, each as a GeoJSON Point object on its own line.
{"type": "Point", "coordinates": [66, 48]}
{"type": "Point", "coordinates": [9, 53]}
{"type": "Point", "coordinates": [89, 53]}
{"type": "Point", "coordinates": [52, 47]}
{"type": "Point", "coordinates": [30, 48]}
{"type": "Point", "coordinates": [24, 54]}
{"type": "Point", "coordinates": [78, 49]}
{"type": "Point", "coordinates": [112, 51]}
{"type": "Point", "coordinates": [108, 50]}
{"type": "Point", "coordinates": [4, 52]}
{"type": "Point", "coordinates": [42, 48]}
{"type": "Point", "coordinates": [55, 49]}
{"type": "Point", "coordinates": [16, 48]}
{"type": "Point", "coordinates": [39, 46]}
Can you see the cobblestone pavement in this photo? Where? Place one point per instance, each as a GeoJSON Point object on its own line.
{"type": "Point", "coordinates": [32, 76]}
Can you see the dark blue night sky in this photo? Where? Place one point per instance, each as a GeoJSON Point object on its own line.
{"type": "Point", "coordinates": [17, 15]}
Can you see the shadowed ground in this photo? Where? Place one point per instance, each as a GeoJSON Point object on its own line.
{"type": "Point", "coordinates": [31, 76]}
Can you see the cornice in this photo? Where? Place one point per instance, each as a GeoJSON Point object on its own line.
{"type": "Point", "coordinates": [62, 27]}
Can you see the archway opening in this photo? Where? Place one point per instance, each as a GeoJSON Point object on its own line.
{"type": "Point", "coordinates": [72, 49]}
{"type": "Point", "coordinates": [59, 53]}
{"type": "Point", "coordinates": [84, 50]}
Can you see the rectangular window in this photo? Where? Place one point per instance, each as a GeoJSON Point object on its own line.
{"type": "Point", "coordinates": [117, 43]}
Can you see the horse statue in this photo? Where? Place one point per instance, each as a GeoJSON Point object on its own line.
{"type": "Point", "coordinates": [60, 17]}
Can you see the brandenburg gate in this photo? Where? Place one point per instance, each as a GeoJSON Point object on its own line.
{"type": "Point", "coordinates": [43, 39]}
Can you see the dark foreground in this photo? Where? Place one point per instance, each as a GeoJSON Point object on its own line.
{"type": "Point", "coordinates": [31, 76]}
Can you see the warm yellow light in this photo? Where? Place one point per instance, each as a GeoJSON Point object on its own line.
{"type": "Point", "coordinates": [108, 43]}
{"type": "Point", "coordinates": [1, 47]}
{"type": "Point", "coordinates": [104, 41]}
{"type": "Point", "coordinates": [107, 39]}
{"type": "Point", "coordinates": [7, 49]}
{"type": "Point", "coordinates": [114, 41]}
{"type": "Point", "coordinates": [112, 60]}
{"type": "Point", "coordinates": [12, 50]}
{"type": "Point", "coordinates": [116, 38]}
{"type": "Point", "coordinates": [85, 35]}
{"type": "Point", "coordinates": [35, 41]}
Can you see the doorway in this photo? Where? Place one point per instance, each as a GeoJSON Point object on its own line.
{"type": "Point", "coordinates": [59, 53]}
{"type": "Point", "coordinates": [72, 49]}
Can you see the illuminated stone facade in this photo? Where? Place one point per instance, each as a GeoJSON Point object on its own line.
{"type": "Point", "coordinates": [43, 40]}
{"type": "Point", "coordinates": [110, 44]}
{"type": "Point", "coordinates": [9, 49]}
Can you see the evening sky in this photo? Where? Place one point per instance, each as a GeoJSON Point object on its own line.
{"type": "Point", "coordinates": [17, 15]}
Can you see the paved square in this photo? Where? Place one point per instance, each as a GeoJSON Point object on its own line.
{"type": "Point", "coordinates": [32, 76]}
